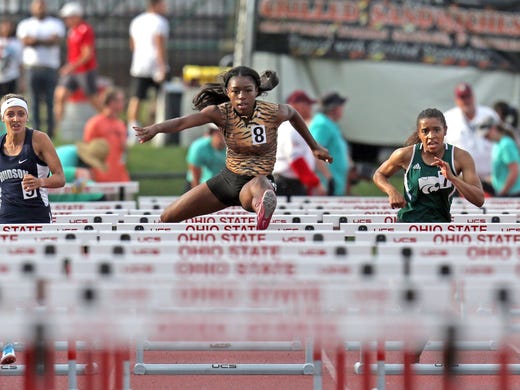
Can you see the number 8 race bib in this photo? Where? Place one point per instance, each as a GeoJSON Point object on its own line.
{"type": "Point", "coordinates": [258, 134]}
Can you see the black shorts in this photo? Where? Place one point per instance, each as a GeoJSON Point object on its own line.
{"type": "Point", "coordinates": [85, 81]}
{"type": "Point", "coordinates": [226, 186]}
{"type": "Point", "coordinates": [141, 85]}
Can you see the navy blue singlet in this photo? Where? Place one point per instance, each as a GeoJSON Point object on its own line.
{"type": "Point", "coordinates": [16, 204]}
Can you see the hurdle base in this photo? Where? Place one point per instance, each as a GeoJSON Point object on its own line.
{"type": "Point", "coordinates": [439, 369]}
{"type": "Point", "coordinates": [59, 369]}
{"type": "Point", "coordinates": [223, 369]}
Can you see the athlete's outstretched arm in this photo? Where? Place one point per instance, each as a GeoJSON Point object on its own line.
{"type": "Point", "coordinates": [210, 114]}
{"type": "Point", "coordinates": [290, 114]}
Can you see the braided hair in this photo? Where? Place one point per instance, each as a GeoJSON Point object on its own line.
{"type": "Point", "coordinates": [215, 93]}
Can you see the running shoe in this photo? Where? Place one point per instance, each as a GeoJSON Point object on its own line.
{"type": "Point", "coordinates": [8, 355]}
{"type": "Point", "coordinates": [266, 210]}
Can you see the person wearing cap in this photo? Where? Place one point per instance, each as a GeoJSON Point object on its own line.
{"type": "Point", "coordinates": [206, 157]}
{"type": "Point", "coordinates": [27, 160]}
{"type": "Point", "coordinates": [434, 171]}
{"type": "Point", "coordinates": [79, 160]}
{"type": "Point", "coordinates": [508, 116]}
{"type": "Point", "coordinates": [42, 36]}
{"type": "Point", "coordinates": [294, 169]}
{"type": "Point", "coordinates": [325, 129]}
{"type": "Point", "coordinates": [80, 68]}
{"type": "Point", "coordinates": [108, 125]}
{"type": "Point", "coordinates": [505, 158]}
{"type": "Point", "coordinates": [462, 121]}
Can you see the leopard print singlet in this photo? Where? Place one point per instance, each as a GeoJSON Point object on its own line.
{"type": "Point", "coordinates": [251, 143]}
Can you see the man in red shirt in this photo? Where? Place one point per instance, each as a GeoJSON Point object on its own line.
{"type": "Point", "coordinates": [109, 125]}
{"type": "Point", "coordinates": [80, 69]}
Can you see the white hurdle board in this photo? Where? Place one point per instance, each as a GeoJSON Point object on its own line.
{"type": "Point", "coordinates": [265, 236]}
{"type": "Point", "coordinates": [351, 228]}
{"type": "Point", "coordinates": [248, 218]}
{"type": "Point", "coordinates": [113, 190]}
{"type": "Point", "coordinates": [210, 227]}
{"type": "Point", "coordinates": [439, 238]}
{"type": "Point", "coordinates": [95, 205]}
{"type": "Point", "coordinates": [217, 250]}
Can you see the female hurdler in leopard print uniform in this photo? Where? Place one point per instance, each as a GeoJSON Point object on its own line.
{"type": "Point", "coordinates": [250, 128]}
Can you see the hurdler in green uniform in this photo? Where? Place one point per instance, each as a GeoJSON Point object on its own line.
{"type": "Point", "coordinates": [427, 192]}
{"type": "Point", "coordinates": [434, 171]}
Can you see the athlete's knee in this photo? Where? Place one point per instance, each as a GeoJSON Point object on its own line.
{"type": "Point", "coordinates": [166, 216]}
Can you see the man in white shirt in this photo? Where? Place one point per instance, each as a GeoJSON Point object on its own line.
{"type": "Point", "coordinates": [149, 69]}
{"type": "Point", "coordinates": [41, 35]}
{"type": "Point", "coordinates": [463, 121]}
{"type": "Point", "coordinates": [295, 164]}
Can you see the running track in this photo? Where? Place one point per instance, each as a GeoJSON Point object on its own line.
{"type": "Point", "coordinates": [274, 382]}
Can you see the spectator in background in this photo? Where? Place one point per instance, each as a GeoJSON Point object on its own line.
{"type": "Point", "coordinates": [78, 161]}
{"type": "Point", "coordinates": [295, 163]}
{"type": "Point", "coordinates": [462, 121]}
{"type": "Point", "coordinates": [108, 125]}
{"type": "Point", "coordinates": [325, 129]}
{"type": "Point", "coordinates": [80, 69]}
{"type": "Point", "coordinates": [149, 69]}
{"type": "Point", "coordinates": [206, 157]}
{"type": "Point", "coordinates": [509, 118]}
{"type": "Point", "coordinates": [42, 36]}
{"type": "Point", "coordinates": [10, 57]}
{"type": "Point", "coordinates": [505, 158]}
{"type": "Point", "coordinates": [507, 114]}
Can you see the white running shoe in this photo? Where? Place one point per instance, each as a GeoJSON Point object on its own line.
{"type": "Point", "coordinates": [266, 210]}
{"type": "Point", "coordinates": [8, 355]}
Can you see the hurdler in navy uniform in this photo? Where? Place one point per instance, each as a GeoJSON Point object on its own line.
{"type": "Point", "coordinates": [27, 158]}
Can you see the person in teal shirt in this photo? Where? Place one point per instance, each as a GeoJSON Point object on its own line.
{"type": "Point", "coordinates": [77, 159]}
{"type": "Point", "coordinates": [505, 158]}
{"type": "Point", "coordinates": [326, 131]}
{"type": "Point", "coordinates": [206, 157]}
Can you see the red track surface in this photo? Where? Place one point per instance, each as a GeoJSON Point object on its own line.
{"type": "Point", "coordinates": [272, 382]}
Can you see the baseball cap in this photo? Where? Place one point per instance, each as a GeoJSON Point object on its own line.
{"type": "Point", "coordinates": [300, 96]}
{"type": "Point", "coordinates": [332, 99]}
{"type": "Point", "coordinates": [71, 9]}
{"type": "Point", "coordinates": [463, 90]}
{"type": "Point", "coordinates": [486, 124]}
{"type": "Point", "coordinates": [94, 153]}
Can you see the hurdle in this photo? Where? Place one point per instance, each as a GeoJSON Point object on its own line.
{"type": "Point", "coordinates": [386, 249]}
{"type": "Point", "coordinates": [112, 190]}
{"type": "Point", "coordinates": [220, 226]}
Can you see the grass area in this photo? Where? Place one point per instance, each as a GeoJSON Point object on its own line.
{"type": "Point", "coordinates": [165, 168]}
{"type": "Point", "coordinates": [159, 170]}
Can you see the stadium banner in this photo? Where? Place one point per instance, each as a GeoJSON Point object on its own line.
{"type": "Point", "coordinates": [483, 37]}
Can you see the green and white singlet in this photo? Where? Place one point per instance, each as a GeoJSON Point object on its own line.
{"type": "Point", "coordinates": [427, 192]}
